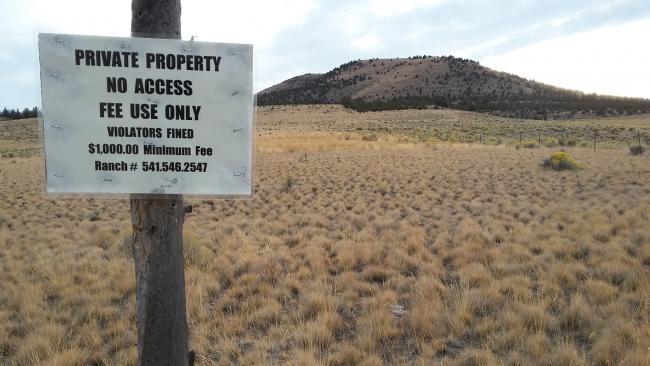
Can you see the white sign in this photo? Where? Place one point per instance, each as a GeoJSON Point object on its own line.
{"type": "Point", "coordinates": [139, 115]}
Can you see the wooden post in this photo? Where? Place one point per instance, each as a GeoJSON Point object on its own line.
{"type": "Point", "coordinates": [539, 137]}
{"type": "Point", "coordinates": [638, 136]}
{"type": "Point", "coordinates": [595, 136]}
{"type": "Point", "coordinates": [562, 139]}
{"type": "Point", "coordinates": [519, 137]}
{"type": "Point", "coordinates": [158, 233]}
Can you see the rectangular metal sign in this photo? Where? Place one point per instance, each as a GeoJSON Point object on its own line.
{"type": "Point", "coordinates": [146, 116]}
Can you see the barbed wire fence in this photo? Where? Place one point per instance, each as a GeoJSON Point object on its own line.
{"type": "Point", "coordinates": [586, 137]}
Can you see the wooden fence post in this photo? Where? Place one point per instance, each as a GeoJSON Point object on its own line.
{"type": "Point", "coordinates": [158, 233]}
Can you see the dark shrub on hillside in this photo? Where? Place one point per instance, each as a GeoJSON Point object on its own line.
{"type": "Point", "coordinates": [637, 149]}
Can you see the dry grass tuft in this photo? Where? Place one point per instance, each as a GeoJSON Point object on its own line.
{"type": "Point", "coordinates": [564, 354]}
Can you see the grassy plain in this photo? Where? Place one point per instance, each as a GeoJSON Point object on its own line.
{"type": "Point", "coordinates": [459, 126]}
{"type": "Point", "coordinates": [362, 246]}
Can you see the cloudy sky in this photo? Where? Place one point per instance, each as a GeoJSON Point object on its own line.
{"type": "Point", "coordinates": [588, 45]}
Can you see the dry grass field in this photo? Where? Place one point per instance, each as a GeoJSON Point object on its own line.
{"type": "Point", "coordinates": [457, 126]}
{"type": "Point", "coordinates": [353, 251]}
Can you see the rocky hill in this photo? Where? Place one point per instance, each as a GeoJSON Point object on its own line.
{"type": "Point", "coordinates": [446, 81]}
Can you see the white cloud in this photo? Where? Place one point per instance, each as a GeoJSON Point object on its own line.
{"type": "Point", "coordinates": [242, 21]}
{"type": "Point", "coordinates": [608, 60]}
{"type": "Point", "coordinates": [29, 17]}
{"type": "Point", "coordinates": [479, 48]}
{"type": "Point", "coordinates": [366, 43]}
{"type": "Point", "coordinates": [393, 7]}
{"type": "Point", "coordinates": [416, 35]}
{"type": "Point", "coordinates": [355, 19]}
{"type": "Point", "coordinates": [558, 22]}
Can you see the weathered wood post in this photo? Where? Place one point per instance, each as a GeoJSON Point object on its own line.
{"type": "Point", "coordinates": [519, 137]}
{"type": "Point", "coordinates": [158, 233]}
{"type": "Point", "coordinates": [595, 137]}
{"type": "Point", "coordinates": [638, 136]}
{"type": "Point", "coordinates": [539, 137]}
